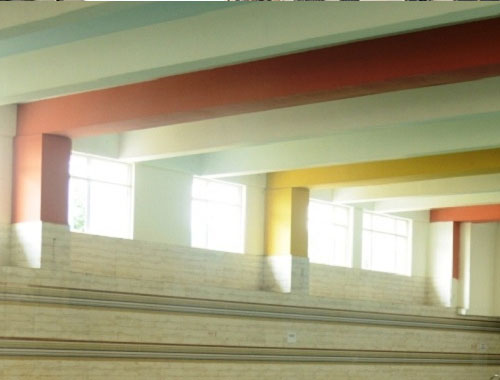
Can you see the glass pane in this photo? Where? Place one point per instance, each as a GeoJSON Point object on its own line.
{"type": "Point", "coordinates": [366, 255]}
{"type": "Point", "coordinates": [383, 253]}
{"type": "Point", "coordinates": [78, 166]}
{"type": "Point", "coordinates": [320, 212]}
{"type": "Point", "coordinates": [340, 240]}
{"type": "Point", "coordinates": [224, 192]}
{"type": "Point", "coordinates": [110, 171]}
{"type": "Point", "coordinates": [367, 221]}
{"type": "Point", "coordinates": [77, 205]}
{"type": "Point", "coordinates": [321, 243]}
{"type": "Point", "coordinates": [109, 210]}
{"type": "Point", "coordinates": [340, 215]}
{"type": "Point", "coordinates": [383, 224]}
{"type": "Point", "coordinates": [402, 227]}
{"type": "Point", "coordinates": [224, 228]}
{"type": "Point", "coordinates": [199, 189]}
{"type": "Point", "coordinates": [402, 257]}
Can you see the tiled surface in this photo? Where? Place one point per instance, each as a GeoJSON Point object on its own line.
{"type": "Point", "coordinates": [156, 370]}
{"type": "Point", "coordinates": [348, 283]}
{"type": "Point", "coordinates": [4, 244]}
{"type": "Point", "coordinates": [153, 261]}
{"type": "Point", "coordinates": [27, 320]}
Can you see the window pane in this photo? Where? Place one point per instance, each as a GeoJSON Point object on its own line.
{"type": "Point", "coordinates": [321, 243]}
{"type": "Point", "coordinates": [199, 188]}
{"type": "Point", "coordinates": [320, 212]}
{"type": "Point", "coordinates": [77, 207]}
{"type": "Point", "coordinates": [383, 224]}
{"type": "Point", "coordinates": [402, 227]}
{"type": "Point", "coordinates": [367, 221]}
{"type": "Point", "coordinates": [109, 171]}
{"type": "Point", "coordinates": [386, 244]}
{"type": "Point", "coordinates": [340, 215]}
{"type": "Point", "coordinates": [224, 232]}
{"type": "Point", "coordinates": [223, 192]}
{"type": "Point", "coordinates": [109, 209]}
{"type": "Point", "coordinates": [78, 166]}
{"type": "Point", "coordinates": [328, 234]}
{"type": "Point", "coordinates": [217, 215]}
{"type": "Point", "coordinates": [383, 253]}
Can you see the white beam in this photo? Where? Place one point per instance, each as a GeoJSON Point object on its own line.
{"type": "Point", "coordinates": [415, 108]}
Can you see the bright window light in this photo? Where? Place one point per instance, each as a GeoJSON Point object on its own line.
{"type": "Point", "coordinates": [217, 215]}
{"type": "Point", "coordinates": [329, 233]}
{"type": "Point", "coordinates": [386, 243]}
{"type": "Point", "coordinates": [100, 196]}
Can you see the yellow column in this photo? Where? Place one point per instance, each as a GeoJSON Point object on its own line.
{"type": "Point", "coordinates": [286, 221]}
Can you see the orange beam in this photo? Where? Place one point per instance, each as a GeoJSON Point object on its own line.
{"type": "Point", "coordinates": [443, 55]}
{"type": "Point", "coordinates": [484, 213]}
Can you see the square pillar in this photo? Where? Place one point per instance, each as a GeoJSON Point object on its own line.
{"type": "Point", "coordinates": [287, 267]}
{"type": "Point", "coordinates": [40, 201]}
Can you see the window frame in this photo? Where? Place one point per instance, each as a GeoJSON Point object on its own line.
{"type": "Point", "coordinates": [89, 180]}
{"type": "Point", "coordinates": [242, 206]}
{"type": "Point", "coordinates": [348, 254]}
{"type": "Point", "coordinates": [407, 271]}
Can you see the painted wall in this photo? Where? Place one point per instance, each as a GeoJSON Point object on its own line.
{"type": "Point", "coordinates": [420, 238]}
{"type": "Point", "coordinates": [162, 205]}
{"type": "Point", "coordinates": [255, 211]}
{"type": "Point", "coordinates": [439, 264]}
{"type": "Point", "coordinates": [483, 257]}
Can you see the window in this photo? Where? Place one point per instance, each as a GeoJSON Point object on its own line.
{"type": "Point", "coordinates": [217, 215]}
{"type": "Point", "coordinates": [386, 243]}
{"type": "Point", "coordinates": [329, 233]}
{"type": "Point", "coordinates": [100, 196]}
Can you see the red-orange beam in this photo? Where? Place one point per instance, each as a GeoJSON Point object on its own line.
{"type": "Point", "coordinates": [483, 213]}
{"type": "Point", "coordinates": [443, 55]}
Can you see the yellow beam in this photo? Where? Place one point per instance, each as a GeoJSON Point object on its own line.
{"type": "Point", "coordinates": [390, 171]}
{"type": "Point", "coordinates": [286, 221]}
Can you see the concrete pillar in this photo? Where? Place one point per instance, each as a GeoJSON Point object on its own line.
{"type": "Point", "coordinates": [8, 120]}
{"type": "Point", "coordinates": [40, 201]}
{"type": "Point", "coordinates": [287, 267]}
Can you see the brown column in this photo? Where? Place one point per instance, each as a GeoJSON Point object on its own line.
{"type": "Point", "coordinates": [40, 179]}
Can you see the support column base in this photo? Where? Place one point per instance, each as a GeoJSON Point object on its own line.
{"type": "Point", "coordinates": [40, 245]}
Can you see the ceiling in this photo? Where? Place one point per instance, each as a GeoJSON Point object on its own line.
{"type": "Point", "coordinates": [53, 49]}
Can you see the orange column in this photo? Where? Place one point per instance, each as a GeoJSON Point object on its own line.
{"type": "Point", "coordinates": [40, 179]}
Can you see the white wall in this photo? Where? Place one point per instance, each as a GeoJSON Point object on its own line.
{"type": "Point", "coordinates": [255, 211]}
{"type": "Point", "coordinates": [162, 205]}
{"type": "Point", "coordinates": [420, 238]}
{"type": "Point", "coordinates": [440, 261]}
{"type": "Point", "coordinates": [482, 268]}
{"type": "Point", "coordinates": [106, 145]}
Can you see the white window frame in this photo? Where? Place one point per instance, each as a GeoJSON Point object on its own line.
{"type": "Point", "coordinates": [367, 264]}
{"type": "Point", "coordinates": [241, 246]}
{"type": "Point", "coordinates": [89, 180]}
{"type": "Point", "coordinates": [349, 237]}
